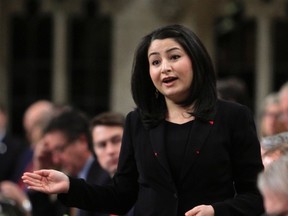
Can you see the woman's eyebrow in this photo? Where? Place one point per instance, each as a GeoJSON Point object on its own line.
{"type": "Point", "coordinates": [167, 51]}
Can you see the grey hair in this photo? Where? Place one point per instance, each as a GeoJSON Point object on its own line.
{"type": "Point", "coordinates": [273, 141]}
{"type": "Point", "coordinates": [275, 177]}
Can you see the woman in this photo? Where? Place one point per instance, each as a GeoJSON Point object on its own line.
{"type": "Point", "coordinates": [183, 151]}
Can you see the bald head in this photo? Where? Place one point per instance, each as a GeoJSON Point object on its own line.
{"type": "Point", "coordinates": [35, 117]}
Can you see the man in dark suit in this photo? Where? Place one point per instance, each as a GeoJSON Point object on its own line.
{"type": "Point", "coordinates": [10, 148]}
{"type": "Point", "coordinates": [67, 143]}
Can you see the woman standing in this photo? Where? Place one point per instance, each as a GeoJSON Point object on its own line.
{"type": "Point", "coordinates": [183, 151]}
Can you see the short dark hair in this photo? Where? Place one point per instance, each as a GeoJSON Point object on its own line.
{"type": "Point", "coordinates": [233, 89]}
{"type": "Point", "coordinates": [108, 119]}
{"type": "Point", "coordinates": [203, 94]}
{"type": "Point", "coordinates": [72, 123]}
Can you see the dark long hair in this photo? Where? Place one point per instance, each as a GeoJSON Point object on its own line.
{"type": "Point", "coordinates": [202, 95]}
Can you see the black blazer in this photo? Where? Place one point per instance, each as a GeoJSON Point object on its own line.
{"type": "Point", "coordinates": [222, 162]}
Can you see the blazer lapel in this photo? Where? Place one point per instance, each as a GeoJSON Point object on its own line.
{"type": "Point", "coordinates": [197, 137]}
{"type": "Point", "coordinates": [158, 146]}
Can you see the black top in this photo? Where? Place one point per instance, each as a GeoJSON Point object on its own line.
{"type": "Point", "coordinates": [177, 136]}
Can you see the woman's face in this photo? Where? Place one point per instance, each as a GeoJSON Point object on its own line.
{"type": "Point", "coordinates": [170, 69]}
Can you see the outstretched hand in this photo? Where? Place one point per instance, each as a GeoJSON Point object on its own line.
{"type": "Point", "coordinates": [47, 181]}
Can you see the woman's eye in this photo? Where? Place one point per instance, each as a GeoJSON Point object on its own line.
{"type": "Point", "coordinates": [155, 62]}
{"type": "Point", "coordinates": [175, 57]}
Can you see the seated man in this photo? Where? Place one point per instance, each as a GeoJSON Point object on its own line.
{"type": "Point", "coordinates": [67, 143]}
{"type": "Point", "coordinates": [107, 131]}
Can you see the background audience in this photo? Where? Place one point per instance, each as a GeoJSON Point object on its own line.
{"type": "Point", "coordinates": [272, 147]}
{"type": "Point", "coordinates": [35, 118]}
{"type": "Point", "coordinates": [107, 131]}
{"type": "Point", "coordinates": [54, 139]}
{"type": "Point", "coordinates": [10, 148]}
{"type": "Point", "coordinates": [67, 144]}
{"type": "Point", "coordinates": [270, 116]}
{"type": "Point", "coordinates": [273, 184]}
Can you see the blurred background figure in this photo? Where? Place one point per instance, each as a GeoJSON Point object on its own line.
{"type": "Point", "coordinates": [67, 144]}
{"type": "Point", "coordinates": [16, 198]}
{"type": "Point", "coordinates": [35, 119]}
{"type": "Point", "coordinates": [9, 209]}
{"type": "Point", "coordinates": [274, 154]}
{"type": "Point", "coordinates": [10, 147]}
{"type": "Point", "coordinates": [273, 184]}
{"type": "Point", "coordinates": [10, 150]}
{"type": "Point", "coordinates": [269, 119]}
{"type": "Point", "coordinates": [272, 147]}
{"type": "Point", "coordinates": [107, 131]}
{"type": "Point", "coordinates": [283, 99]}
{"type": "Point", "coordinates": [233, 89]}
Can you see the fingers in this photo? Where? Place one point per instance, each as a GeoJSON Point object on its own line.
{"type": "Point", "coordinates": [32, 180]}
{"type": "Point", "coordinates": [193, 212]}
{"type": "Point", "coordinates": [38, 174]}
{"type": "Point", "coordinates": [36, 188]}
{"type": "Point", "coordinates": [42, 172]}
{"type": "Point", "coordinates": [201, 210]}
{"type": "Point", "coordinates": [29, 175]}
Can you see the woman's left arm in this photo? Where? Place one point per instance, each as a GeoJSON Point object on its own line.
{"type": "Point", "coordinates": [246, 164]}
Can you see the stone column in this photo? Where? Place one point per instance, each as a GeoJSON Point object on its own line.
{"type": "Point", "coordinates": [59, 73]}
{"type": "Point", "coordinates": [130, 23]}
{"type": "Point", "coordinates": [201, 17]}
{"type": "Point", "coordinates": [264, 12]}
{"type": "Point", "coordinates": [4, 79]}
{"type": "Point", "coordinates": [264, 60]}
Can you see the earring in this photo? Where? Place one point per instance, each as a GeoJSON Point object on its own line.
{"type": "Point", "coordinates": [156, 93]}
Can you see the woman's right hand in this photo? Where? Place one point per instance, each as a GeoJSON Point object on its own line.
{"type": "Point", "coordinates": [47, 181]}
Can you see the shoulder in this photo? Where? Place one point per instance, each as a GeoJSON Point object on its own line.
{"type": "Point", "coordinates": [227, 106]}
{"type": "Point", "coordinates": [234, 112]}
{"type": "Point", "coordinates": [133, 117]}
{"type": "Point", "coordinates": [133, 114]}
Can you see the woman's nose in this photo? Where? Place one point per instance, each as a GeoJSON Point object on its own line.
{"type": "Point", "coordinates": [166, 67]}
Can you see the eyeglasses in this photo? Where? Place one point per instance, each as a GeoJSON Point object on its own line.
{"type": "Point", "coordinates": [61, 148]}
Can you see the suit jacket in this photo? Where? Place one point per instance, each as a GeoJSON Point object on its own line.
{"type": "Point", "coordinates": [220, 168]}
{"type": "Point", "coordinates": [10, 150]}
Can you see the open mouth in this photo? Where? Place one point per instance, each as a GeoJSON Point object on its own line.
{"type": "Point", "coordinates": [169, 79]}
